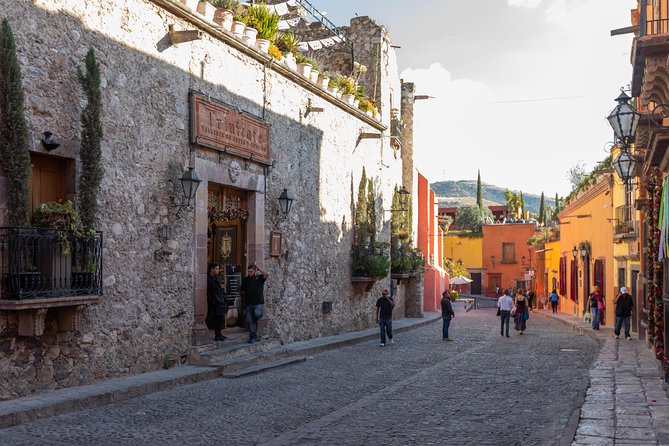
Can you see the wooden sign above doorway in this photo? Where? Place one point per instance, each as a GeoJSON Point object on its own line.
{"type": "Point", "coordinates": [220, 127]}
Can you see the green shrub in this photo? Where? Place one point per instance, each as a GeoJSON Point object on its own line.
{"type": "Point", "coordinates": [265, 22]}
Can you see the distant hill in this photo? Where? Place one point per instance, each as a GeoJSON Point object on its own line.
{"type": "Point", "coordinates": [463, 192]}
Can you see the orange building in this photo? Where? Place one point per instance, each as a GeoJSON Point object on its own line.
{"type": "Point", "coordinates": [429, 241]}
{"type": "Point", "coordinates": [508, 261]}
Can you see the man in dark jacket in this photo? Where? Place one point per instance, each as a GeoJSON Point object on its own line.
{"type": "Point", "coordinates": [217, 304]}
{"type": "Point", "coordinates": [446, 314]}
{"type": "Point", "coordinates": [624, 304]}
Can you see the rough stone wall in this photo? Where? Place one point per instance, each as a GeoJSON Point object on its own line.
{"type": "Point", "coordinates": [146, 314]}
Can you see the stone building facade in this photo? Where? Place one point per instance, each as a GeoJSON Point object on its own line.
{"type": "Point", "coordinates": [155, 262]}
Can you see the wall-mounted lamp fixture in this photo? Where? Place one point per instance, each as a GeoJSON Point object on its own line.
{"type": "Point", "coordinates": [492, 260]}
{"type": "Point", "coordinates": [584, 252]}
{"type": "Point", "coordinates": [48, 142]}
{"type": "Point", "coordinates": [574, 252]}
{"type": "Point", "coordinates": [285, 202]}
{"type": "Point", "coordinates": [522, 260]}
{"type": "Point", "coordinates": [190, 181]}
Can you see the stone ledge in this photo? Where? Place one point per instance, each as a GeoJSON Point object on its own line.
{"type": "Point", "coordinates": [183, 12]}
{"type": "Point", "coordinates": [32, 312]}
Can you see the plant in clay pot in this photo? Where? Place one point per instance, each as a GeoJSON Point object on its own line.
{"type": "Point", "coordinates": [348, 89]}
{"type": "Point", "coordinates": [225, 12]}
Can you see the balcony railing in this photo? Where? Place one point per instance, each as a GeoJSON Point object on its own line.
{"type": "Point", "coordinates": [654, 17]}
{"type": "Point", "coordinates": [623, 225]}
{"type": "Point", "coordinates": [46, 263]}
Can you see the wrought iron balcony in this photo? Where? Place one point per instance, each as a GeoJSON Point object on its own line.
{"type": "Point", "coordinates": [46, 263]}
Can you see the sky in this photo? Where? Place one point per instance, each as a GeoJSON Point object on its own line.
{"type": "Point", "coordinates": [522, 87]}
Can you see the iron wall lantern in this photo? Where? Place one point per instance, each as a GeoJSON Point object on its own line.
{"type": "Point", "coordinates": [624, 119]}
{"type": "Point", "coordinates": [285, 202]}
{"type": "Point", "coordinates": [574, 252]}
{"type": "Point", "coordinates": [190, 182]}
{"type": "Point", "coordinates": [623, 165]}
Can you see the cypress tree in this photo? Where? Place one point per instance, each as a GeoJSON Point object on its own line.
{"type": "Point", "coordinates": [361, 210]}
{"type": "Point", "coordinates": [91, 138]}
{"type": "Point", "coordinates": [13, 131]}
{"type": "Point", "coordinates": [479, 192]}
{"type": "Point", "coordinates": [522, 205]}
{"type": "Point", "coordinates": [371, 211]}
{"type": "Point", "coordinates": [542, 210]}
{"type": "Point", "coordinates": [557, 204]}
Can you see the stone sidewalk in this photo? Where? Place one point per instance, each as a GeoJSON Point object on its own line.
{"type": "Point", "coordinates": [626, 402]}
{"type": "Point", "coordinates": [61, 401]}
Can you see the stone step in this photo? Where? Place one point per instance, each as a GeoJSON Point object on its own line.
{"type": "Point", "coordinates": [231, 351]}
{"type": "Point", "coordinates": [264, 366]}
{"type": "Point", "coordinates": [250, 360]}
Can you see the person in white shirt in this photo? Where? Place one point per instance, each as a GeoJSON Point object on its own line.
{"type": "Point", "coordinates": [505, 303]}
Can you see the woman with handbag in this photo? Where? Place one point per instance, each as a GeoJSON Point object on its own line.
{"type": "Point", "coordinates": [519, 319]}
{"type": "Point", "coordinates": [596, 305]}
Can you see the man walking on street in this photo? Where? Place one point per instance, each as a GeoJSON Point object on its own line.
{"type": "Point", "coordinates": [623, 305]}
{"type": "Point", "coordinates": [531, 295]}
{"type": "Point", "coordinates": [446, 315]}
{"type": "Point", "coordinates": [253, 287]}
{"type": "Point", "coordinates": [384, 316]}
{"type": "Point", "coordinates": [505, 303]}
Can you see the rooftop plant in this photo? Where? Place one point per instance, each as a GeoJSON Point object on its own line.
{"type": "Point", "coordinates": [347, 85]}
{"type": "Point", "coordinates": [288, 42]}
{"type": "Point", "coordinates": [232, 5]}
{"type": "Point", "coordinates": [274, 51]}
{"type": "Point", "coordinates": [264, 21]}
{"type": "Point", "coordinates": [301, 58]}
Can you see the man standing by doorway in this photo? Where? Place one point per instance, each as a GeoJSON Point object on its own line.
{"type": "Point", "coordinates": [253, 287]}
{"type": "Point", "coordinates": [217, 303]}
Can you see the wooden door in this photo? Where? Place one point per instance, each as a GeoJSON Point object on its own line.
{"type": "Point", "coordinates": [48, 181]}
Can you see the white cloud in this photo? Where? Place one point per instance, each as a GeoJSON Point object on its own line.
{"type": "Point", "coordinates": [524, 3]}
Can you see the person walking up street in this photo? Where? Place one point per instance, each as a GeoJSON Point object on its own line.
{"type": "Point", "coordinates": [521, 309]}
{"type": "Point", "coordinates": [623, 304]}
{"type": "Point", "coordinates": [217, 303]}
{"type": "Point", "coordinates": [554, 299]}
{"type": "Point", "coordinates": [253, 287]}
{"type": "Point", "coordinates": [384, 316]}
{"type": "Point", "coordinates": [446, 315]}
{"type": "Point", "coordinates": [505, 303]}
{"type": "Point", "coordinates": [596, 303]}
{"type": "Point", "coordinates": [531, 295]}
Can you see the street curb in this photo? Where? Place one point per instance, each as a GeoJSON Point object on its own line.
{"type": "Point", "coordinates": [61, 401]}
{"type": "Point", "coordinates": [58, 402]}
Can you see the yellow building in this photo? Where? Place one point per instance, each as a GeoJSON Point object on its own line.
{"type": "Point", "coordinates": [586, 248]}
{"type": "Point", "coordinates": [550, 256]}
{"type": "Point", "coordinates": [466, 250]}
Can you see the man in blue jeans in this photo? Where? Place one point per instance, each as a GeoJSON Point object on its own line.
{"type": "Point", "coordinates": [384, 316]}
{"type": "Point", "coordinates": [253, 287]}
{"type": "Point", "coordinates": [447, 314]}
{"type": "Point", "coordinates": [505, 304]}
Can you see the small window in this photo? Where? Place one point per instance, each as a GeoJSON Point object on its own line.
{"type": "Point", "coordinates": [508, 253]}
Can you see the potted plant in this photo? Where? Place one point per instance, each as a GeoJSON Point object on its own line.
{"type": "Point", "coordinates": [303, 65]}
{"type": "Point", "coordinates": [275, 52]}
{"type": "Point", "coordinates": [315, 71]}
{"type": "Point", "coordinates": [368, 107]}
{"type": "Point", "coordinates": [324, 80]}
{"type": "Point", "coordinates": [348, 88]}
{"type": "Point", "coordinates": [207, 10]}
{"type": "Point", "coordinates": [61, 217]}
{"type": "Point", "coordinates": [239, 23]}
{"type": "Point", "coordinates": [266, 24]}
{"type": "Point", "coordinates": [225, 12]}
{"type": "Point", "coordinates": [333, 85]}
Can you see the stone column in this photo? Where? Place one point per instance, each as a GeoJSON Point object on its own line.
{"type": "Point", "coordinates": [200, 330]}
{"type": "Point", "coordinates": [408, 90]}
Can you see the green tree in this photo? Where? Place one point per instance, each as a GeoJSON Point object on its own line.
{"type": "Point", "coordinates": [542, 210]}
{"type": "Point", "coordinates": [479, 192]}
{"type": "Point", "coordinates": [469, 218]}
{"type": "Point", "coordinates": [522, 205]}
{"type": "Point", "coordinates": [361, 210]}
{"type": "Point", "coordinates": [91, 139]}
{"type": "Point", "coordinates": [13, 131]}
{"type": "Point", "coordinates": [513, 202]}
{"type": "Point", "coordinates": [576, 174]}
{"type": "Point", "coordinates": [371, 212]}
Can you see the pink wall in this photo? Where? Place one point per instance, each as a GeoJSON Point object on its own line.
{"type": "Point", "coordinates": [429, 242]}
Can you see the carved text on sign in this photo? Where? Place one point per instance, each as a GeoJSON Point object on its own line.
{"type": "Point", "coordinates": [220, 127]}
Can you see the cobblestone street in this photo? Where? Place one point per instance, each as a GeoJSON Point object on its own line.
{"type": "Point", "coordinates": [479, 389]}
